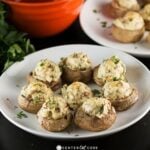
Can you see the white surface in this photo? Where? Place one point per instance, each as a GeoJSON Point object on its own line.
{"type": "Point", "coordinates": [91, 25]}
{"type": "Point", "coordinates": [14, 78]}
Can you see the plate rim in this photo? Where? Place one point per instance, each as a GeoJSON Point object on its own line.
{"type": "Point", "coordinates": [103, 44]}
{"type": "Point", "coordinates": [47, 135]}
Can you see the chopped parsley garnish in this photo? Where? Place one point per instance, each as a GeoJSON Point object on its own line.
{"type": "Point", "coordinates": [36, 100]}
{"type": "Point", "coordinates": [103, 24]}
{"type": "Point", "coordinates": [42, 64]}
{"type": "Point", "coordinates": [21, 115]}
{"type": "Point", "coordinates": [115, 59]}
{"type": "Point", "coordinates": [52, 104]}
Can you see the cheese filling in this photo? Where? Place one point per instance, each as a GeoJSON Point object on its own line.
{"type": "Point", "coordinates": [131, 21]}
{"type": "Point", "coordinates": [36, 92]}
{"type": "Point", "coordinates": [47, 71]}
{"type": "Point", "coordinates": [145, 12]}
{"type": "Point", "coordinates": [117, 90]}
{"type": "Point", "coordinates": [111, 69]}
{"type": "Point", "coordinates": [127, 3]}
{"type": "Point", "coordinates": [95, 106]}
{"type": "Point", "coordinates": [76, 61]}
{"type": "Point", "coordinates": [55, 108]}
{"type": "Point", "coordinates": [76, 93]}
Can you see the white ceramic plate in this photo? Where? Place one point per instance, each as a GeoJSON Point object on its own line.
{"type": "Point", "coordinates": [14, 78]}
{"type": "Point", "coordinates": [92, 16]}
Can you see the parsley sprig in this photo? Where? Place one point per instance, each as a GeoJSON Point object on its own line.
{"type": "Point", "coordinates": [13, 44]}
{"type": "Point", "coordinates": [21, 115]}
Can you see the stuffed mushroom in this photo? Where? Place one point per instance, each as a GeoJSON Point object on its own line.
{"type": "Point", "coordinates": [109, 70]}
{"type": "Point", "coordinates": [76, 67]}
{"type": "Point", "coordinates": [95, 114]}
{"type": "Point", "coordinates": [121, 94]}
{"type": "Point", "coordinates": [47, 72]}
{"type": "Point", "coordinates": [120, 7]}
{"type": "Point", "coordinates": [54, 115]}
{"type": "Point", "coordinates": [75, 94]}
{"type": "Point", "coordinates": [33, 95]}
{"type": "Point", "coordinates": [129, 28]}
{"type": "Point", "coordinates": [145, 12]}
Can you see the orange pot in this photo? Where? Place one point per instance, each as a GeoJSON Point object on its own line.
{"type": "Point", "coordinates": [42, 19]}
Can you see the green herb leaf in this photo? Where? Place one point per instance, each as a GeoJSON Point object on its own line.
{"type": "Point", "coordinates": [96, 93]}
{"type": "Point", "coordinates": [13, 44]}
{"type": "Point", "coordinates": [7, 64]}
{"type": "Point", "coordinates": [115, 59]}
{"type": "Point", "coordinates": [21, 115]}
{"type": "Point", "coordinates": [36, 100]}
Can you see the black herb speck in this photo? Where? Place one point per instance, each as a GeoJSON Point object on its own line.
{"type": "Point", "coordinates": [21, 115]}
{"type": "Point", "coordinates": [135, 47]}
{"type": "Point", "coordinates": [15, 107]}
{"type": "Point", "coordinates": [76, 135]}
{"type": "Point", "coordinates": [59, 93]}
{"type": "Point", "coordinates": [95, 11]}
{"type": "Point", "coordinates": [103, 24]}
{"type": "Point", "coordinates": [23, 96]}
{"type": "Point", "coordinates": [31, 73]}
{"type": "Point", "coordinates": [17, 85]}
{"type": "Point", "coordinates": [101, 109]}
{"type": "Point", "coordinates": [7, 99]}
{"type": "Point", "coordinates": [114, 79]}
{"type": "Point", "coordinates": [62, 58]}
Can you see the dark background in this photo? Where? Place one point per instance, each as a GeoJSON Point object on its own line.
{"type": "Point", "coordinates": [136, 137]}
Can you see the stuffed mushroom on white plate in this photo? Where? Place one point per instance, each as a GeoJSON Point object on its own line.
{"type": "Point", "coordinates": [76, 93]}
{"type": "Point", "coordinates": [129, 28]}
{"type": "Point", "coordinates": [48, 72]}
{"type": "Point", "coordinates": [111, 69]}
{"type": "Point", "coordinates": [55, 114]}
{"type": "Point", "coordinates": [96, 21]}
{"type": "Point", "coordinates": [121, 94]}
{"type": "Point", "coordinates": [33, 95]}
{"type": "Point", "coordinates": [95, 114]}
{"type": "Point", "coordinates": [76, 67]}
